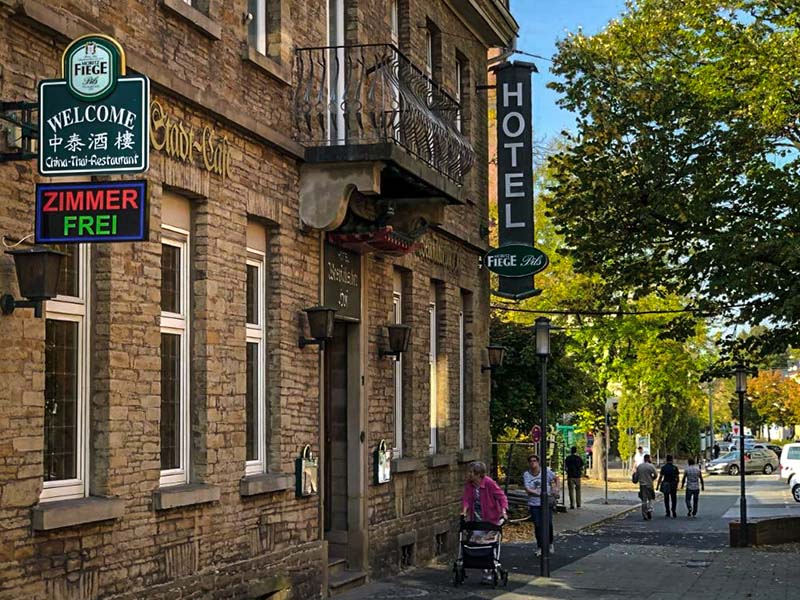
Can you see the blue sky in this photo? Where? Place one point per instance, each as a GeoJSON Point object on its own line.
{"type": "Point", "coordinates": [542, 22]}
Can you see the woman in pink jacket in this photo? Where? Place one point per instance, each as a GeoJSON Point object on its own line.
{"type": "Point", "coordinates": [483, 499]}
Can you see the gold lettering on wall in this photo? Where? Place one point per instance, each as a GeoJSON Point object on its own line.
{"type": "Point", "coordinates": [433, 250]}
{"type": "Point", "coordinates": [180, 141]}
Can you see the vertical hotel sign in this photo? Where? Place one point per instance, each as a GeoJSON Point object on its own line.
{"type": "Point", "coordinates": [95, 119]}
{"type": "Point", "coordinates": [515, 169]}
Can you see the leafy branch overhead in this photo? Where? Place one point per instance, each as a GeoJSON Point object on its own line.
{"type": "Point", "coordinates": [682, 176]}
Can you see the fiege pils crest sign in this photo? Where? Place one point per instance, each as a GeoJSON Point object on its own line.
{"type": "Point", "coordinates": [91, 66]}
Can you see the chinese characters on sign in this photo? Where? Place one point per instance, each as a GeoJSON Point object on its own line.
{"type": "Point", "coordinates": [109, 136]}
{"type": "Point", "coordinates": [94, 120]}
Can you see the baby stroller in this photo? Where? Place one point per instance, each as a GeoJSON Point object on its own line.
{"type": "Point", "coordinates": [479, 548]}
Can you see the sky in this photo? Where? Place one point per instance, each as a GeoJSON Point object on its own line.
{"type": "Point", "coordinates": [542, 22]}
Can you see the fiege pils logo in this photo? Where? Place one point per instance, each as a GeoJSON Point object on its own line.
{"type": "Point", "coordinates": [91, 70]}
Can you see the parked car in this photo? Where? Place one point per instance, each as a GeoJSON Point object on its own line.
{"type": "Point", "coordinates": [774, 447]}
{"type": "Point", "coordinates": [757, 460]}
{"type": "Point", "coordinates": [790, 461]}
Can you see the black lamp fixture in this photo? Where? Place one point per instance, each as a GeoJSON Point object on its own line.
{"type": "Point", "coordinates": [741, 389]}
{"type": "Point", "coordinates": [320, 324]}
{"type": "Point", "coordinates": [399, 335]}
{"type": "Point", "coordinates": [496, 354]}
{"type": "Point", "coordinates": [38, 269]}
{"type": "Point", "coordinates": [542, 328]}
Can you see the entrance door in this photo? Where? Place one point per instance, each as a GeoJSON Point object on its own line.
{"type": "Point", "coordinates": [335, 468]}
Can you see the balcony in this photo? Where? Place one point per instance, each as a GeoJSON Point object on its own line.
{"type": "Point", "coordinates": [366, 102]}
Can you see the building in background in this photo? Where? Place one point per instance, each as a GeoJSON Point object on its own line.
{"type": "Point", "coordinates": [303, 153]}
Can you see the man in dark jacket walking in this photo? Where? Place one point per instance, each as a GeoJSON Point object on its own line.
{"type": "Point", "coordinates": [574, 467]}
{"type": "Point", "coordinates": [668, 483]}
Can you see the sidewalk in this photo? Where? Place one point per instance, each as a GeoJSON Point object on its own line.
{"type": "Point", "coordinates": [433, 581]}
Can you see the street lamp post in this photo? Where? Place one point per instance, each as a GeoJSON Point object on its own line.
{"type": "Point", "coordinates": [543, 351]}
{"type": "Point", "coordinates": [741, 388]}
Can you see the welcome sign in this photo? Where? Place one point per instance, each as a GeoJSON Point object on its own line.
{"type": "Point", "coordinates": [95, 120]}
{"type": "Point", "coordinates": [91, 212]}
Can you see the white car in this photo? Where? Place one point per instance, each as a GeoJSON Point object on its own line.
{"type": "Point", "coordinates": [790, 463]}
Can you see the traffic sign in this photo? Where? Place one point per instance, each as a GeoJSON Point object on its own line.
{"type": "Point", "coordinates": [536, 434]}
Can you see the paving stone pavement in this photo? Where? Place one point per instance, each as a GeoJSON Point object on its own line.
{"type": "Point", "coordinates": [617, 555]}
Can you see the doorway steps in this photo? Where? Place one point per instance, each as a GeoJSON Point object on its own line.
{"type": "Point", "coordinates": [340, 579]}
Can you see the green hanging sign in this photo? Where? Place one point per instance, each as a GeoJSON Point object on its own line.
{"type": "Point", "coordinates": [95, 120]}
{"type": "Point", "coordinates": [516, 260]}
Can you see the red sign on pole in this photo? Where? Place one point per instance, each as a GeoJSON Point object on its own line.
{"type": "Point", "coordinates": [536, 434]}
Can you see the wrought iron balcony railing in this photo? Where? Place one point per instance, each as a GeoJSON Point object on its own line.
{"type": "Point", "coordinates": [371, 94]}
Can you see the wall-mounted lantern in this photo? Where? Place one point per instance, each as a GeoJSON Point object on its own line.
{"type": "Point", "coordinates": [320, 324]}
{"type": "Point", "coordinates": [38, 269]}
{"type": "Point", "coordinates": [399, 335]}
{"type": "Point", "coordinates": [383, 463]}
{"type": "Point", "coordinates": [306, 473]}
{"type": "Point", "coordinates": [496, 354]}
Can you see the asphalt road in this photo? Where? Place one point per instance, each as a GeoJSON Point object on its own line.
{"type": "Point", "coordinates": [614, 545]}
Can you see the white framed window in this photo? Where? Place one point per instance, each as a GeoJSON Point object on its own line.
{"type": "Point", "coordinates": [397, 316]}
{"type": "Point", "coordinates": [175, 416]}
{"type": "Point", "coordinates": [255, 438]}
{"type": "Point", "coordinates": [459, 94]}
{"type": "Point", "coordinates": [336, 72]}
{"type": "Point", "coordinates": [394, 22]}
{"type": "Point", "coordinates": [257, 27]}
{"type": "Point", "coordinates": [462, 357]}
{"type": "Point", "coordinates": [432, 364]}
{"type": "Point", "coordinates": [66, 394]}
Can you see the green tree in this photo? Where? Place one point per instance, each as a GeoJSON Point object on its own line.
{"type": "Point", "coordinates": [683, 172]}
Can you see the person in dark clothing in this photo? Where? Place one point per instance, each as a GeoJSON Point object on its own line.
{"type": "Point", "coordinates": [574, 467]}
{"type": "Point", "coordinates": [668, 481]}
{"type": "Point", "coordinates": [716, 450]}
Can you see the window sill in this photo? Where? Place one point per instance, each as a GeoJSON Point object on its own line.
{"type": "Point", "coordinates": [267, 64]}
{"type": "Point", "coordinates": [440, 460]}
{"type": "Point", "coordinates": [405, 465]}
{"type": "Point", "coordinates": [165, 498]}
{"type": "Point", "coordinates": [195, 17]}
{"type": "Point", "coordinates": [265, 483]}
{"type": "Point", "coordinates": [79, 511]}
{"type": "Point", "coordinates": [467, 456]}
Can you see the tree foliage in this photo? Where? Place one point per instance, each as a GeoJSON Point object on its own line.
{"type": "Point", "coordinates": [682, 175]}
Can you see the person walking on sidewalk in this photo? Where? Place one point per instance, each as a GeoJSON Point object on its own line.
{"type": "Point", "coordinates": [532, 478]}
{"type": "Point", "coordinates": [667, 482]}
{"type": "Point", "coordinates": [638, 458]}
{"type": "Point", "coordinates": [573, 465]}
{"type": "Point", "coordinates": [693, 480]}
{"type": "Point", "coordinates": [645, 475]}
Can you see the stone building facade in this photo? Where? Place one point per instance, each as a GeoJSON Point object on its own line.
{"type": "Point", "coordinates": [153, 417]}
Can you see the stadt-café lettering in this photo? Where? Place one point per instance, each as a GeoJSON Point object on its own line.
{"type": "Point", "coordinates": [181, 141]}
{"type": "Point", "coordinates": [434, 251]}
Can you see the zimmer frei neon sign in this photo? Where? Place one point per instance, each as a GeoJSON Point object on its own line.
{"type": "Point", "coordinates": [91, 212]}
